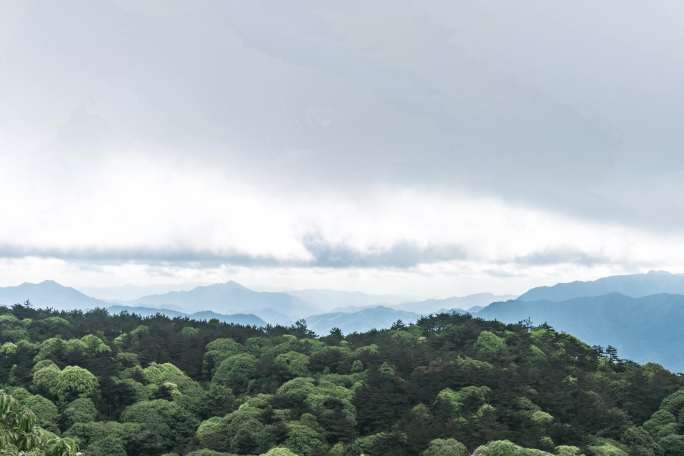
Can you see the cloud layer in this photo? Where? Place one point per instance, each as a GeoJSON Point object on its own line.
{"type": "Point", "coordinates": [525, 139]}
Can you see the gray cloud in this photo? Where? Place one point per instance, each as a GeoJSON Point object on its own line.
{"type": "Point", "coordinates": [563, 255]}
{"type": "Point", "coordinates": [164, 255]}
{"type": "Point", "coordinates": [454, 96]}
{"type": "Point", "coordinates": [404, 254]}
{"type": "Point", "coordinates": [323, 253]}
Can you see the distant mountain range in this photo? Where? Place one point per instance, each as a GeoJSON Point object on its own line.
{"type": "Point", "coordinates": [333, 300]}
{"type": "Point", "coordinates": [48, 294]}
{"type": "Point", "coordinates": [379, 317]}
{"type": "Point", "coordinates": [429, 306]}
{"type": "Point", "coordinates": [229, 298]}
{"type": "Point", "coordinates": [640, 314]}
{"type": "Point", "coordinates": [238, 319]}
{"type": "Point", "coordinates": [635, 285]}
{"type": "Point", "coordinates": [643, 329]}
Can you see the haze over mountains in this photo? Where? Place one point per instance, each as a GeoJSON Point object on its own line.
{"type": "Point", "coordinates": [239, 319]}
{"type": "Point", "coordinates": [231, 297]}
{"type": "Point", "coordinates": [232, 302]}
{"type": "Point", "coordinates": [379, 317]}
{"type": "Point", "coordinates": [640, 314]}
{"type": "Point", "coordinates": [644, 329]}
{"type": "Point", "coordinates": [468, 302]}
{"type": "Point", "coordinates": [635, 285]}
{"type": "Point", "coordinates": [49, 294]}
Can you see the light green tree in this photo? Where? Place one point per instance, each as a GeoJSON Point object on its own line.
{"type": "Point", "coordinates": [446, 447]}
{"type": "Point", "coordinates": [489, 343]}
{"type": "Point", "coordinates": [293, 363]}
{"type": "Point", "coordinates": [20, 434]}
{"type": "Point", "coordinates": [74, 381]}
{"type": "Point", "coordinates": [236, 371]}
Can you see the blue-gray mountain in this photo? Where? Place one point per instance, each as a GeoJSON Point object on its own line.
{"type": "Point", "coordinates": [643, 329]}
{"type": "Point", "coordinates": [238, 319]}
{"type": "Point", "coordinates": [336, 300]}
{"type": "Point", "coordinates": [48, 294]}
{"type": "Point", "coordinates": [229, 298]}
{"type": "Point", "coordinates": [379, 317]}
{"type": "Point", "coordinates": [635, 285]}
{"type": "Point", "coordinates": [428, 306]}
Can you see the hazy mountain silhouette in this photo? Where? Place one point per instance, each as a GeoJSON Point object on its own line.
{"type": "Point", "coordinates": [635, 285]}
{"type": "Point", "coordinates": [232, 298]}
{"type": "Point", "coordinates": [379, 317]}
{"type": "Point", "coordinates": [429, 306]}
{"type": "Point", "coordinates": [644, 329]}
{"type": "Point", "coordinates": [48, 294]}
{"type": "Point", "coordinates": [328, 300]}
{"type": "Point", "coordinates": [239, 319]}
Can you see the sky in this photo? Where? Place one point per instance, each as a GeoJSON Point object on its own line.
{"type": "Point", "coordinates": [420, 148]}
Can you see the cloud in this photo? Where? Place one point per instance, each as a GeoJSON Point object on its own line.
{"type": "Point", "coordinates": [143, 255]}
{"type": "Point", "coordinates": [294, 97]}
{"type": "Point", "coordinates": [321, 252]}
{"type": "Point", "coordinates": [402, 254]}
{"type": "Point", "coordinates": [219, 133]}
{"type": "Point", "coordinates": [562, 255]}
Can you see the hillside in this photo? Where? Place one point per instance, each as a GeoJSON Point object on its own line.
{"type": "Point", "coordinates": [358, 321]}
{"type": "Point", "coordinates": [643, 329]}
{"type": "Point", "coordinates": [231, 298]}
{"type": "Point", "coordinates": [450, 385]}
{"type": "Point", "coordinates": [634, 285]}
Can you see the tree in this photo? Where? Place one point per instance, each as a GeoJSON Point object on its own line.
{"type": "Point", "coordinates": [164, 424]}
{"type": "Point", "coordinates": [292, 364]}
{"type": "Point", "coordinates": [80, 410]}
{"type": "Point", "coordinates": [506, 448]}
{"type": "Point", "coordinates": [74, 381]}
{"type": "Point", "coordinates": [45, 411]}
{"type": "Point", "coordinates": [446, 447]}
{"type": "Point", "coordinates": [236, 371]}
{"type": "Point", "coordinates": [279, 452]}
{"type": "Point", "coordinates": [108, 446]}
{"type": "Point", "coordinates": [20, 434]}
{"type": "Point", "coordinates": [305, 441]}
{"type": "Point", "coordinates": [218, 350]}
{"type": "Point", "coordinates": [488, 343]}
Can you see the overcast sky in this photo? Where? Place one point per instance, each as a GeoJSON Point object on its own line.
{"type": "Point", "coordinates": [425, 148]}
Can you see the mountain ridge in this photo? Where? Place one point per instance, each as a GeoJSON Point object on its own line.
{"type": "Point", "coordinates": [241, 319]}
{"type": "Point", "coordinates": [635, 285]}
{"type": "Point", "coordinates": [645, 328]}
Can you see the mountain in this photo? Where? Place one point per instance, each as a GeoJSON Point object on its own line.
{"type": "Point", "coordinates": [238, 319]}
{"type": "Point", "coordinates": [231, 298]}
{"type": "Point", "coordinates": [48, 294]}
{"type": "Point", "coordinates": [643, 329]}
{"type": "Point", "coordinates": [145, 311]}
{"type": "Point", "coordinates": [429, 306]}
{"type": "Point", "coordinates": [334, 300]}
{"type": "Point", "coordinates": [379, 317]}
{"type": "Point", "coordinates": [635, 285]}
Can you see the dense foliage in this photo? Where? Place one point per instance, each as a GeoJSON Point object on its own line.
{"type": "Point", "coordinates": [449, 385]}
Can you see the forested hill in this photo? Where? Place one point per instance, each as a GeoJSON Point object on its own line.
{"type": "Point", "coordinates": [450, 385]}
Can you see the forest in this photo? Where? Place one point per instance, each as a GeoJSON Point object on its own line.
{"type": "Point", "coordinates": [96, 384]}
